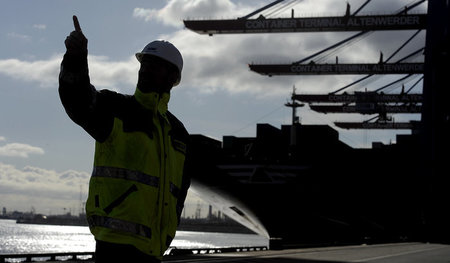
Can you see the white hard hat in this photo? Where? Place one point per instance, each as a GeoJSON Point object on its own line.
{"type": "Point", "coordinates": [165, 50]}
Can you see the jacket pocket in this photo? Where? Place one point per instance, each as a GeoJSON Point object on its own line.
{"type": "Point", "coordinates": [120, 199]}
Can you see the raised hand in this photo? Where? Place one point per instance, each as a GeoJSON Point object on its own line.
{"type": "Point", "coordinates": [76, 42]}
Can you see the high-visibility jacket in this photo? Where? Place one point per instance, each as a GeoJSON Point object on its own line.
{"type": "Point", "coordinates": [138, 185]}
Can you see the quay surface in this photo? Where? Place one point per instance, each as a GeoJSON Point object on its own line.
{"type": "Point", "coordinates": [386, 253]}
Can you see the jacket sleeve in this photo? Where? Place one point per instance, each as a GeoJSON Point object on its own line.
{"type": "Point", "coordinates": [185, 184]}
{"type": "Point", "coordinates": [83, 103]}
{"type": "Point", "coordinates": [180, 132]}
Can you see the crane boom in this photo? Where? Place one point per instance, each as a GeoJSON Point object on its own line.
{"type": "Point", "coordinates": [373, 97]}
{"type": "Point", "coordinates": [368, 108]}
{"type": "Point", "coordinates": [375, 125]}
{"type": "Point", "coordinates": [308, 24]}
{"type": "Point", "coordinates": [332, 69]}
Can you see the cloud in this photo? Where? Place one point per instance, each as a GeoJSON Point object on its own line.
{"type": "Point", "coordinates": [40, 26]}
{"type": "Point", "coordinates": [21, 37]}
{"type": "Point", "coordinates": [175, 10]}
{"type": "Point", "coordinates": [44, 189]}
{"type": "Point", "coordinates": [18, 149]}
{"type": "Point", "coordinates": [104, 72]}
{"type": "Point", "coordinates": [43, 72]}
{"type": "Point", "coordinates": [117, 75]}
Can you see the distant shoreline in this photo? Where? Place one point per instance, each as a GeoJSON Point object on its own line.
{"type": "Point", "coordinates": [196, 225]}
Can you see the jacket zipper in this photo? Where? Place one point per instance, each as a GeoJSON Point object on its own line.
{"type": "Point", "coordinates": [163, 177]}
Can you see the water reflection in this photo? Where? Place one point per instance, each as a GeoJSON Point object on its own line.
{"type": "Point", "coordinates": [24, 238]}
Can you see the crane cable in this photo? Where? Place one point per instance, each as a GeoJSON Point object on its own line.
{"type": "Point", "coordinates": [354, 36]}
{"type": "Point", "coordinates": [387, 60]}
{"type": "Point", "coordinates": [283, 8]}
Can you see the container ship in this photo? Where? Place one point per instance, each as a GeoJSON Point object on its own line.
{"type": "Point", "coordinates": [316, 191]}
{"type": "Point", "coordinates": [299, 185]}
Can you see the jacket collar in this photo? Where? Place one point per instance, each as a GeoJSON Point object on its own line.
{"type": "Point", "coordinates": [153, 101]}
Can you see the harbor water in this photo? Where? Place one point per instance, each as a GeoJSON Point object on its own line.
{"type": "Point", "coordinates": [30, 238]}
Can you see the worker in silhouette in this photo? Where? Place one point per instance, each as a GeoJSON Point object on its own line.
{"type": "Point", "coordinates": [138, 184]}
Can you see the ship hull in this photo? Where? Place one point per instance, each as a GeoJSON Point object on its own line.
{"type": "Point", "coordinates": [304, 195]}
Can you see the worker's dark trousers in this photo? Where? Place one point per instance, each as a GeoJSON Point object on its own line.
{"type": "Point", "coordinates": [106, 252]}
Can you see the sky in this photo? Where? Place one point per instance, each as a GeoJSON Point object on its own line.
{"type": "Point", "coordinates": [46, 159]}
